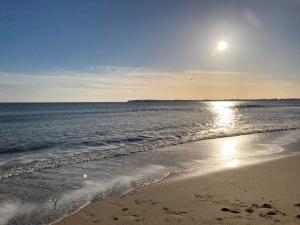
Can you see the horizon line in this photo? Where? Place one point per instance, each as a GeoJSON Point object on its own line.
{"type": "Point", "coordinates": [156, 100]}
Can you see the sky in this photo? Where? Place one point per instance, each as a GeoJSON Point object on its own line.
{"type": "Point", "coordinates": [108, 50]}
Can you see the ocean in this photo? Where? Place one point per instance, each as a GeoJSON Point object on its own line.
{"type": "Point", "coordinates": [57, 157]}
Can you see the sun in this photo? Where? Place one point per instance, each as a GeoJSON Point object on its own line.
{"type": "Point", "coordinates": [222, 46]}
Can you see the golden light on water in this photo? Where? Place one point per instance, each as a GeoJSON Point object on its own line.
{"type": "Point", "coordinates": [228, 151]}
{"type": "Point", "coordinates": [222, 46]}
{"type": "Point", "coordinates": [224, 114]}
{"type": "Point", "coordinates": [224, 121]}
{"type": "Point", "coordinates": [233, 163]}
{"type": "Point", "coordinates": [227, 148]}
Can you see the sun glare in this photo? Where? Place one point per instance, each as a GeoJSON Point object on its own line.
{"type": "Point", "coordinates": [222, 46]}
{"type": "Point", "coordinates": [224, 114]}
{"type": "Point", "coordinates": [228, 151]}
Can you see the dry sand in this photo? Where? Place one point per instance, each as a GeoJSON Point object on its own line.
{"type": "Point", "coordinates": [266, 193]}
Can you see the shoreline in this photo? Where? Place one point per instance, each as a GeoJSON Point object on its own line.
{"type": "Point", "coordinates": [112, 178]}
{"type": "Point", "coordinates": [157, 199]}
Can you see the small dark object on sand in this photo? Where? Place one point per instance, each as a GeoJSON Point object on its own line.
{"type": "Point", "coordinates": [297, 205]}
{"type": "Point", "coordinates": [225, 209]}
{"type": "Point", "coordinates": [116, 218]}
{"type": "Point", "coordinates": [249, 210]}
{"type": "Point", "coordinates": [298, 216]}
{"type": "Point", "coordinates": [266, 206]}
{"type": "Point", "coordinates": [271, 213]}
{"type": "Point", "coordinates": [124, 209]}
{"type": "Point", "coordinates": [219, 219]}
{"type": "Point", "coordinates": [165, 208]}
{"type": "Point", "coordinates": [230, 210]}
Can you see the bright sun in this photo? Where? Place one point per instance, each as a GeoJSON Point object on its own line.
{"type": "Point", "coordinates": [222, 46]}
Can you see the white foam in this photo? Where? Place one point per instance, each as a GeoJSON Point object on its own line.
{"type": "Point", "coordinates": [125, 182]}
{"type": "Point", "coordinates": [9, 209]}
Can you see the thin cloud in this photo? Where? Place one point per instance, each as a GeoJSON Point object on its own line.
{"type": "Point", "coordinates": [146, 83]}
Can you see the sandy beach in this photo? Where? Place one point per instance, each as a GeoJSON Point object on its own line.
{"type": "Point", "coordinates": [265, 193]}
{"type": "Point", "coordinates": [152, 112]}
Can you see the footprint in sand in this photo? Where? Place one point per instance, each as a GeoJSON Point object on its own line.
{"type": "Point", "coordinates": [138, 202]}
{"type": "Point", "coordinates": [221, 202]}
{"type": "Point", "coordinates": [136, 218]}
{"type": "Point", "coordinates": [255, 206]}
{"type": "Point", "coordinates": [249, 210]}
{"type": "Point", "coordinates": [178, 213]}
{"type": "Point", "coordinates": [153, 202]}
{"type": "Point", "coordinates": [266, 206]}
{"type": "Point", "coordinates": [271, 213]}
{"type": "Point", "coordinates": [204, 197]}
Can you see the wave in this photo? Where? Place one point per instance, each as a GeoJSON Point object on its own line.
{"type": "Point", "coordinates": [28, 148]}
{"type": "Point", "coordinates": [74, 157]}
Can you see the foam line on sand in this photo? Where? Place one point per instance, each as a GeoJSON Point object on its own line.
{"type": "Point", "coordinates": [265, 193]}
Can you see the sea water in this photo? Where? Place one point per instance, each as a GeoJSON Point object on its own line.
{"type": "Point", "coordinates": [56, 157]}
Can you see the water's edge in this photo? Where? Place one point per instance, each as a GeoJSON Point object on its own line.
{"type": "Point", "coordinates": [290, 149]}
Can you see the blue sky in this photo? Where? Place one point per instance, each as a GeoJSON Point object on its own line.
{"type": "Point", "coordinates": [108, 41]}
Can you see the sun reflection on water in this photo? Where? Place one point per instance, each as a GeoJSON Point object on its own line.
{"type": "Point", "coordinates": [225, 116]}
{"type": "Point", "coordinates": [225, 120]}
{"type": "Point", "coordinates": [228, 148]}
{"type": "Point", "coordinates": [233, 163]}
{"type": "Point", "coordinates": [228, 151]}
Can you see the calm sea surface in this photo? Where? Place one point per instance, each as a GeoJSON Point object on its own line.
{"type": "Point", "coordinates": [56, 157]}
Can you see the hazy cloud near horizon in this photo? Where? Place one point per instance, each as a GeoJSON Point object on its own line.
{"type": "Point", "coordinates": [122, 84]}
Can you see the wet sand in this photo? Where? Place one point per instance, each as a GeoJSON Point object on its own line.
{"type": "Point", "coordinates": [265, 193]}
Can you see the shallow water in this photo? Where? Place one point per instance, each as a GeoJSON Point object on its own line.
{"type": "Point", "coordinates": [56, 157]}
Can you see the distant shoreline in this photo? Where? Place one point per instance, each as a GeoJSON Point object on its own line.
{"type": "Point", "coordinates": [160, 100]}
{"type": "Point", "coordinates": [210, 100]}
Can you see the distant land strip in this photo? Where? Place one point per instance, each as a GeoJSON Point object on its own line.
{"type": "Point", "coordinates": [207, 100]}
